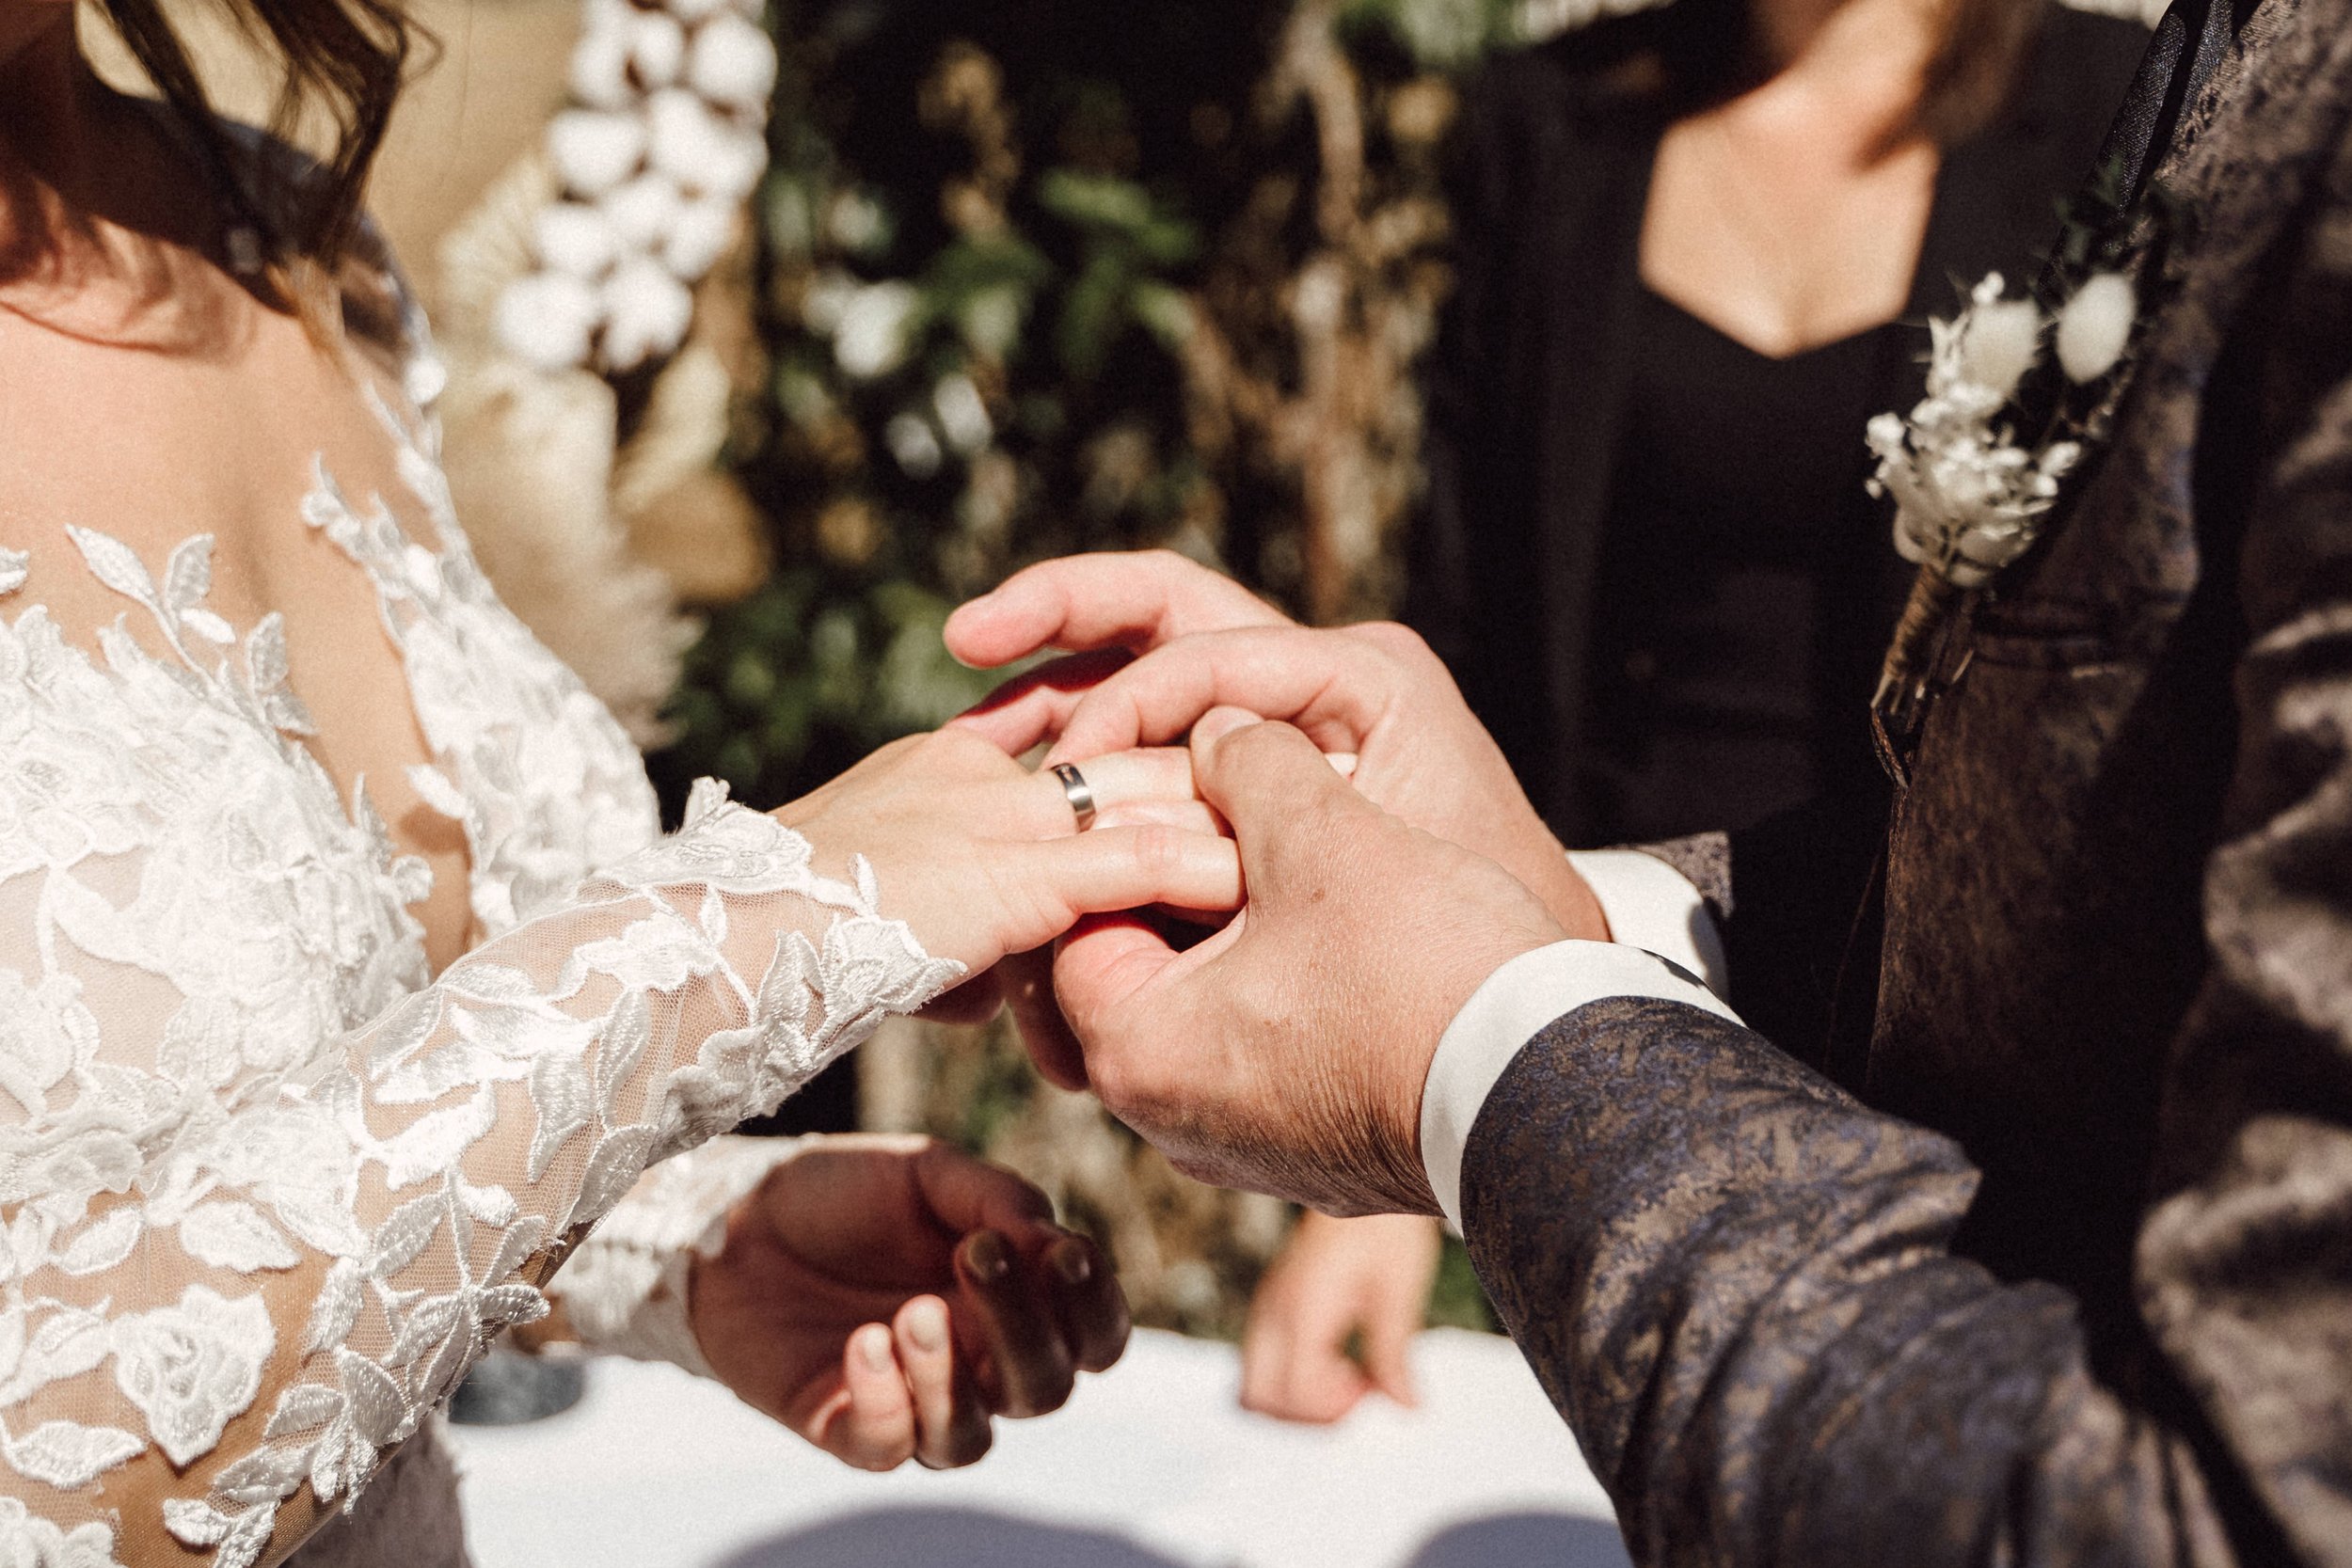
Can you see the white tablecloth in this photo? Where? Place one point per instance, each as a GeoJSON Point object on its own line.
{"type": "Point", "coordinates": [1152, 1465]}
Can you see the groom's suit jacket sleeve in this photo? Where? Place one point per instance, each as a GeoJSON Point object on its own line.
{"type": "Point", "coordinates": [1736, 1280]}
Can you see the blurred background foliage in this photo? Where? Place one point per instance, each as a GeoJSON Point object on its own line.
{"type": "Point", "coordinates": [1036, 276]}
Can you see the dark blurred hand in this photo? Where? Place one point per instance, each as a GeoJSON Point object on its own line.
{"type": "Point", "coordinates": [887, 1297]}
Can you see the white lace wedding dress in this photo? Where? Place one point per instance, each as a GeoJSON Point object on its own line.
{"type": "Point", "coordinates": [268, 1186]}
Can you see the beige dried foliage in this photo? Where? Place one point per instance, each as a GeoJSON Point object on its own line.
{"type": "Point", "coordinates": [531, 465]}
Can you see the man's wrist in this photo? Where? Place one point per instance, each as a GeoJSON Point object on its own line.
{"type": "Point", "coordinates": [1514, 1004]}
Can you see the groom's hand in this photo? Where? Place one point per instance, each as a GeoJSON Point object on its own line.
{"type": "Point", "coordinates": [886, 1297]}
{"type": "Point", "coordinates": [1286, 1053]}
{"type": "Point", "coordinates": [1158, 642]}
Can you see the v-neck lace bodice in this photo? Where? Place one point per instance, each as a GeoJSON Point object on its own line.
{"type": "Point", "coordinates": [229, 1082]}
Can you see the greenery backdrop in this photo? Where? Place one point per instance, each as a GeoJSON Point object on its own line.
{"type": "Point", "coordinates": [1043, 275]}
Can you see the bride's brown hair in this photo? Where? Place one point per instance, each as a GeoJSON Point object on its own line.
{"type": "Point", "coordinates": [343, 59]}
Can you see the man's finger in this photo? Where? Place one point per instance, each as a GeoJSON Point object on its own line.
{"type": "Point", "coordinates": [1263, 778]}
{"type": "Point", "coordinates": [1032, 1368]}
{"type": "Point", "coordinates": [1103, 963]}
{"type": "Point", "coordinates": [1329, 684]}
{"type": "Point", "coordinates": [1096, 601]}
{"type": "Point", "coordinates": [1032, 707]}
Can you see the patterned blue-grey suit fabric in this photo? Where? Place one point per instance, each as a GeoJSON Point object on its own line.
{"type": "Point", "coordinates": [2058, 1270]}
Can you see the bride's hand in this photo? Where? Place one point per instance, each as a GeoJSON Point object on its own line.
{"type": "Point", "coordinates": [887, 1297]}
{"type": "Point", "coordinates": [983, 858]}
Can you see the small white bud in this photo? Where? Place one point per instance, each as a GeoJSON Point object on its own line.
{"type": "Point", "coordinates": [2004, 338]}
{"type": "Point", "coordinates": [646, 315]}
{"type": "Point", "coordinates": [962, 414]}
{"type": "Point", "coordinates": [575, 238]}
{"type": "Point", "coordinates": [733, 63]}
{"type": "Point", "coordinates": [911, 441]}
{"type": "Point", "coordinates": [656, 48]}
{"type": "Point", "coordinates": [545, 320]}
{"type": "Point", "coordinates": [643, 211]}
{"type": "Point", "coordinates": [700, 150]}
{"type": "Point", "coordinates": [600, 69]}
{"type": "Point", "coordinates": [593, 150]}
{"type": "Point", "coordinates": [870, 337]}
{"type": "Point", "coordinates": [698, 237]}
{"type": "Point", "coordinates": [2096, 327]}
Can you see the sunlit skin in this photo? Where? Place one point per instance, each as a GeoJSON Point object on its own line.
{"type": "Point", "coordinates": [885, 1299]}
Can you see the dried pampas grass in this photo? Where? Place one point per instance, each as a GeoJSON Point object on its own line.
{"type": "Point", "coordinates": [591, 543]}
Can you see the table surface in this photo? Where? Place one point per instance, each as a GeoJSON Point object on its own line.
{"type": "Point", "coordinates": [1152, 1465]}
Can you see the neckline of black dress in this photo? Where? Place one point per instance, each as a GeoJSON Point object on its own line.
{"type": "Point", "coordinates": [1836, 346]}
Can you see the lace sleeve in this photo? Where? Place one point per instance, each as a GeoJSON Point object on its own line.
{"type": "Point", "coordinates": [225, 1300]}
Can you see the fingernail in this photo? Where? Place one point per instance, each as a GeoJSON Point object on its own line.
{"type": "Point", "coordinates": [987, 1257]}
{"type": "Point", "coordinates": [1071, 1262]}
{"type": "Point", "coordinates": [874, 1346]}
{"type": "Point", "coordinates": [926, 1326]}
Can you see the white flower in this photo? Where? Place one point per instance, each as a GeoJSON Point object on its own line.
{"type": "Point", "coordinates": [599, 67]}
{"type": "Point", "coordinates": [961, 413]}
{"type": "Point", "coordinates": [575, 238]}
{"type": "Point", "coordinates": [194, 1368]}
{"type": "Point", "coordinates": [642, 212]}
{"type": "Point", "coordinates": [911, 441]}
{"type": "Point", "coordinates": [1968, 499]}
{"type": "Point", "coordinates": [733, 63]}
{"type": "Point", "coordinates": [870, 338]}
{"type": "Point", "coordinates": [27, 1541]}
{"type": "Point", "coordinates": [1996, 340]}
{"type": "Point", "coordinates": [2096, 325]}
{"type": "Point", "coordinates": [656, 48]}
{"type": "Point", "coordinates": [701, 150]}
{"type": "Point", "coordinates": [692, 12]}
{"type": "Point", "coordinates": [698, 236]}
{"type": "Point", "coordinates": [646, 315]}
{"type": "Point", "coordinates": [546, 320]}
{"type": "Point", "coordinates": [593, 150]}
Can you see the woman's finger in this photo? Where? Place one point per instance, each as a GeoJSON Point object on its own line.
{"type": "Point", "coordinates": [1027, 979]}
{"type": "Point", "coordinates": [1121, 783]}
{"type": "Point", "coordinates": [975, 1001]}
{"type": "Point", "coordinates": [1120, 868]}
{"type": "Point", "coordinates": [950, 1428]}
{"type": "Point", "coordinates": [1031, 1366]}
{"type": "Point", "coordinates": [876, 1429]}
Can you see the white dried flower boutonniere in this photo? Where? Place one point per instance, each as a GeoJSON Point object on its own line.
{"type": "Point", "coordinates": [1970, 496]}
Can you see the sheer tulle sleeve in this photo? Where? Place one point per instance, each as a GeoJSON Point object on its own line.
{"type": "Point", "coordinates": [231, 1292]}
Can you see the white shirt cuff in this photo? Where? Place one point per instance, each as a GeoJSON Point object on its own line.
{"type": "Point", "coordinates": [1651, 906]}
{"type": "Point", "coordinates": [1510, 1009]}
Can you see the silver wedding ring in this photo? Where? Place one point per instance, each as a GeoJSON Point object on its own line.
{"type": "Point", "coordinates": [1077, 792]}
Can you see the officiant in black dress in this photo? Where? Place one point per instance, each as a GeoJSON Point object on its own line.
{"type": "Point", "coordinates": [1647, 553]}
{"type": "Point", "coordinates": [1647, 550]}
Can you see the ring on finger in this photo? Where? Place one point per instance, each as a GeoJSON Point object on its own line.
{"type": "Point", "coordinates": [1077, 792]}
